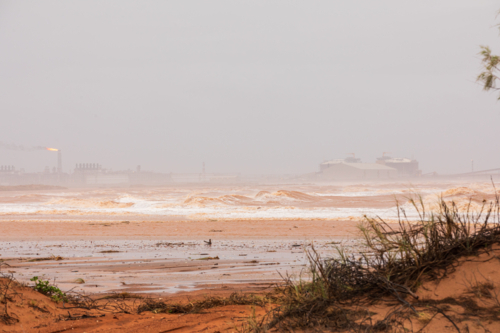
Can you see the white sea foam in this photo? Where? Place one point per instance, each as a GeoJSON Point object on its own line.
{"type": "Point", "coordinates": [222, 203]}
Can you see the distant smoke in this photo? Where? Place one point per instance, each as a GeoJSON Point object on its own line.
{"type": "Point", "coordinates": [11, 146]}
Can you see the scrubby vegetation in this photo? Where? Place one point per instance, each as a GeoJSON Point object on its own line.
{"type": "Point", "coordinates": [392, 264]}
{"type": "Point", "coordinates": [7, 294]}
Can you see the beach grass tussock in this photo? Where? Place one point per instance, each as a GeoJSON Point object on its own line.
{"type": "Point", "coordinates": [392, 264]}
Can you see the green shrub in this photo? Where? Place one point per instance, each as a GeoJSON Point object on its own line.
{"type": "Point", "coordinates": [45, 288]}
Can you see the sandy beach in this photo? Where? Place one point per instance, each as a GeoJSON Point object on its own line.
{"type": "Point", "coordinates": [154, 240]}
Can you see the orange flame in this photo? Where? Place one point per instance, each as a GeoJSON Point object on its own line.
{"type": "Point", "coordinates": [52, 149]}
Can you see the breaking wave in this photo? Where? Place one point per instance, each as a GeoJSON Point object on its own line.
{"type": "Point", "coordinates": [464, 198]}
{"type": "Point", "coordinates": [459, 191]}
{"type": "Point", "coordinates": [293, 195]}
{"type": "Point", "coordinates": [312, 202]}
{"type": "Point", "coordinates": [261, 198]}
{"type": "Point", "coordinates": [225, 199]}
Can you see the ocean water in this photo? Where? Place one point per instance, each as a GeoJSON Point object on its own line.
{"type": "Point", "coordinates": [247, 202]}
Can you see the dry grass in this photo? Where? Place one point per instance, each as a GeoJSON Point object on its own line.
{"type": "Point", "coordinates": [252, 324]}
{"type": "Point", "coordinates": [7, 294]}
{"type": "Point", "coordinates": [209, 258]}
{"type": "Point", "coordinates": [123, 295]}
{"type": "Point", "coordinates": [79, 281]}
{"type": "Point", "coordinates": [393, 263]}
{"type": "Point", "coordinates": [424, 317]}
{"type": "Point", "coordinates": [480, 289]}
{"type": "Point", "coordinates": [160, 306]}
{"type": "Point", "coordinates": [53, 257]}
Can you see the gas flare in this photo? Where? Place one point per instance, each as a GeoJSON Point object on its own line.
{"type": "Point", "coordinates": [52, 149]}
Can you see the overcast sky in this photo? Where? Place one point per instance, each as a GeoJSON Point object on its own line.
{"type": "Point", "coordinates": [247, 86]}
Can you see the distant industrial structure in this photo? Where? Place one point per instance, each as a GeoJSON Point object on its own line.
{"type": "Point", "coordinates": [10, 175]}
{"type": "Point", "coordinates": [406, 167]}
{"type": "Point", "coordinates": [351, 168]}
{"type": "Point", "coordinates": [94, 175]}
{"type": "Point", "coordinates": [327, 164]}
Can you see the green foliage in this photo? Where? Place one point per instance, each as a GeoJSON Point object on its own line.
{"type": "Point", "coordinates": [491, 69]}
{"type": "Point", "coordinates": [45, 288]}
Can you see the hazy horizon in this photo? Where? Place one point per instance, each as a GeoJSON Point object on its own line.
{"type": "Point", "coordinates": [246, 86]}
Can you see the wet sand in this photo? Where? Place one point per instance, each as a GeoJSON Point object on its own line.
{"type": "Point", "coordinates": [73, 230]}
{"type": "Point", "coordinates": [166, 257]}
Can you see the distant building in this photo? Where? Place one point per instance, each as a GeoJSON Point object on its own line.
{"type": "Point", "coordinates": [405, 166]}
{"type": "Point", "coordinates": [327, 164]}
{"type": "Point", "coordinates": [357, 171]}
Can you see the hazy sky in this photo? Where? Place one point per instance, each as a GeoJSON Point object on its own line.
{"type": "Point", "coordinates": [247, 86]}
